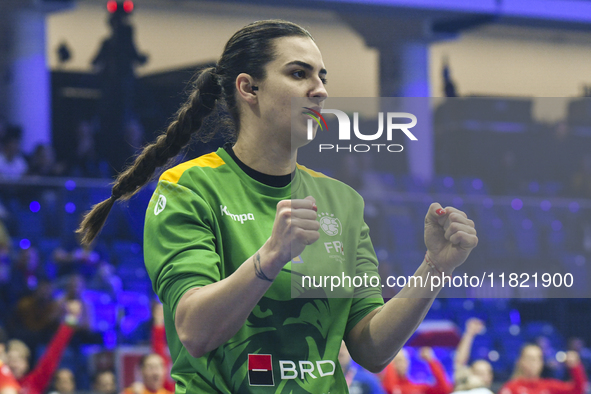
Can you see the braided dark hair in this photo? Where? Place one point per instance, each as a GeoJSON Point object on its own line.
{"type": "Point", "coordinates": [248, 51]}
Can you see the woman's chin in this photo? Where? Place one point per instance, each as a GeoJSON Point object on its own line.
{"type": "Point", "coordinates": [301, 139]}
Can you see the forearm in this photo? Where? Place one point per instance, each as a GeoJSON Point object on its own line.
{"type": "Point", "coordinates": [209, 316]}
{"type": "Point", "coordinates": [579, 378]}
{"type": "Point", "coordinates": [463, 351]}
{"type": "Point", "coordinates": [374, 342]}
{"type": "Point", "coordinates": [40, 377]}
{"type": "Point", "coordinates": [442, 385]}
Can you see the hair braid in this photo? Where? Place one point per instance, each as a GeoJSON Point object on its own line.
{"type": "Point", "coordinates": [201, 102]}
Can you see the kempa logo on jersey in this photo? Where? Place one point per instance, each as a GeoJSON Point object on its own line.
{"type": "Point", "coordinates": [239, 218]}
{"type": "Point", "coordinates": [345, 130]}
{"type": "Point", "coordinates": [260, 369]}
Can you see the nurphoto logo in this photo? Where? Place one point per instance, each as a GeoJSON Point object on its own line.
{"type": "Point", "coordinates": [344, 132]}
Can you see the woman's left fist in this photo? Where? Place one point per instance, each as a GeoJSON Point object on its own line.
{"type": "Point", "coordinates": [449, 236]}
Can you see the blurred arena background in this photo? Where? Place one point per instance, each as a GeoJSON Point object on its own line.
{"type": "Point", "coordinates": [84, 84]}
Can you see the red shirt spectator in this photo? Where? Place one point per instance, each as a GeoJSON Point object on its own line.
{"type": "Point", "coordinates": [395, 380]}
{"type": "Point", "coordinates": [37, 381]}
{"type": "Point", "coordinates": [8, 383]}
{"type": "Point", "coordinates": [159, 345]}
{"type": "Point", "coordinates": [526, 378]}
{"type": "Point", "coordinates": [152, 368]}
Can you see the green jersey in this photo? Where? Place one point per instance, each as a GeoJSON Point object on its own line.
{"type": "Point", "coordinates": [205, 219]}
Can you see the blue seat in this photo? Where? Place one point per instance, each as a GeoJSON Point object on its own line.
{"type": "Point", "coordinates": [30, 225]}
{"type": "Point", "coordinates": [47, 245]}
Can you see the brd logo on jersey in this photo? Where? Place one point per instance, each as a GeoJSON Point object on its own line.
{"type": "Point", "coordinates": [260, 370]}
{"type": "Point", "coordinates": [331, 225]}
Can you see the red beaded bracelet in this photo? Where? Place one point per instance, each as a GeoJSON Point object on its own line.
{"type": "Point", "coordinates": [431, 265]}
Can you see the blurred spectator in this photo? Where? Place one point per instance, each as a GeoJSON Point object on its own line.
{"type": "Point", "coordinates": [25, 274]}
{"type": "Point", "coordinates": [134, 135]}
{"type": "Point", "coordinates": [118, 55]}
{"type": "Point", "coordinates": [159, 345]}
{"type": "Point", "coordinates": [581, 180]}
{"type": "Point", "coordinates": [358, 380]}
{"type": "Point", "coordinates": [43, 163]}
{"type": "Point", "coordinates": [39, 313]}
{"type": "Point", "coordinates": [3, 339]}
{"type": "Point", "coordinates": [552, 368]}
{"type": "Point", "coordinates": [85, 334]}
{"type": "Point", "coordinates": [395, 375]}
{"type": "Point", "coordinates": [527, 379]}
{"type": "Point", "coordinates": [5, 271]}
{"type": "Point", "coordinates": [37, 380]}
{"type": "Point", "coordinates": [12, 163]}
{"type": "Point", "coordinates": [3, 127]}
{"type": "Point", "coordinates": [75, 288]}
{"type": "Point", "coordinates": [8, 383]}
{"type": "Point", "coordinates": [480, 368]}
{"type": "Point", "coordinates": [152, 369]}
{"type": "Point", "coordinates": [558, 160]}
{"type": "Point", "coordinates": [17, 357]}
{"type": "Point", "coordinates": [104, 361]}
{"type": "Point", "coordinates": [63, 382]}
{"type": "Point", "coordinates": [105, 280]}
{"type": "Point", "coordinates": [5, 243]}
{"type": "Point", "coordinates": [115, 63]}
{"type": "Point", "coordinates": [505, 178]}
{"type": "Point", "coordinates": [104, 383]}
{"type": "Point", "coordinates": [466, 382]}
{"type": "Point", "coordinates": [82, 261]}
{"type": "Point", "coordinates": [578, 345]}
{"type": "Point", "coordinates": [449, 87]}
{"type": "Point", "coordinates": [83, 162]}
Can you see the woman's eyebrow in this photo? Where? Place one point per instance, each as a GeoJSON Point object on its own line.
{"type": "Point", "coordinates": [306, 66]}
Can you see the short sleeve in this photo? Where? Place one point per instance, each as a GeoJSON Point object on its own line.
{"type": "Point", "coordinates": [366, 299]}
{"type": "Point", "coordinates": [179, 242]}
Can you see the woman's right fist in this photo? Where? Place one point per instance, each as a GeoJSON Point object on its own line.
{"type": "Point", "coordinates": [296, 226]}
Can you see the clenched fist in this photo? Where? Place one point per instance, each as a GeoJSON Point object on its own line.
{"type": "Point", "coordinates": [295, 227]}
{"type": "Point", "coordinates": [449, 236]}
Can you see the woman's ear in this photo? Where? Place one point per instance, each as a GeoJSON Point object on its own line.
{"type": "Point", "coordinates": [246, 88]}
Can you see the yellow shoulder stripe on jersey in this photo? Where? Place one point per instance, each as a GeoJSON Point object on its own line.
{"type": "Point", "coordinates": [210, 160]}
{"type": "Point", "coordinates": [315, 174]}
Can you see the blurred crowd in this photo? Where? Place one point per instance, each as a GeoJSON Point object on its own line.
{"type": "Point", "coordinates": [79, 157]}
{"type": "Point", "coordinates": [49, 323]}
{"type": "Point", "coordinates": [49, 375]}
{"type": "Point", "coordinates": [533, 373]}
